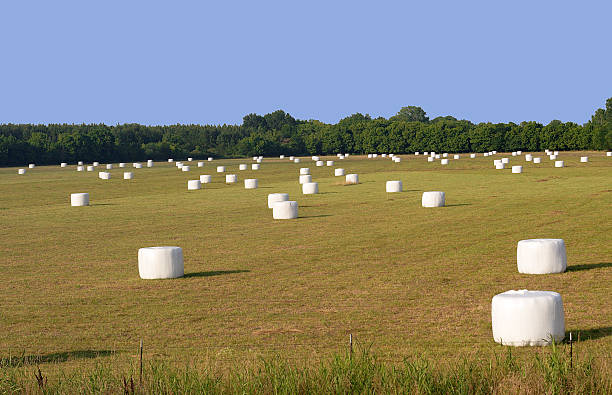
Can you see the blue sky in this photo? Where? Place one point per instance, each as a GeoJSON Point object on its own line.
{"type": "Point", "coordinates": [213, 62]}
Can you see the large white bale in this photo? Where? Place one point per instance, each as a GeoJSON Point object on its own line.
{"type": "Point", "coordinates": [315, 158]}
{"type": "Point", "coordinates": [90, 168]}
{"type": "Point", "coordinates": [352, 179]}
{"type": "Point", "coordinates": [485, 154]}
{"type": "Point", "coordinates": [96, 164]}
{"type": "Point", "coordinates": [291, 157]}
{"type": "Point", "coordinates": [433, 199]}
{"type": "Point", "coordinates": [149, 163]}
{"type": "Point", "coordinates": [425, 153]}
{"type": "Point", "coordinates": [104, 175]}
{"type": "Point", "coordinates": [296, 160]}
{"type": "Point", "coordinates": [170, 160]}
{"type": "Point", "coordinates": [128, 175]}
{"type": "Point", "coordinates": [205, 178]}
{"type": "Point", "coordinates": [552, 157]}
{"type": "Point", "coordinates": [193, 185]}
{"type": "Point", "coordinates": [277, 197]}
{"type": "Point", "coordinates": [304, 178]}
{"type": "Point", "coordinates": [374, 155]}
{"type": "Point", "coordinates": [416, 153]}
{"type": "Point", "coordinates": [444, 161]}
{"type": "Point", "coordinates": [189, 159]}
{"type": "Point", "coordinates": [179, 164]}
{"type": "Point", "coordinates": [528, 157]}
{"type": "Point", "coordinates": [330, 163]}
{"type": "Point", "coordinates": [347, 155]}
{"type": "Point", "coordinates": [285, 210]}
{"type": "Point", "coordinates": [537, 160]}
{"type": "Point", "coordinates": [220, 169]}
{"type": "Point", "coordinates": [243, 166]}
{"type": "Point", "coordinates": [250, 183]}
{"type": "Point", "coordinates": [80, 168]}
{"type": "Point", "coordinates": [541, 256]}
{"type": "Point", "coordinates": [21, 171]}
{"type": "Point", "coordinates": [559, 163]}
{"type": "Point", "coordinates": [304, 170]}
{"type": "Point", "coordinates": [160, 262]}
{"type": "Point", "coordinates": [437, 156]}
{"type": "Point", "coordinates": [138, 165]}
{"type": "Point", "coordinates": [230, 178]}
{"type": "Point", "coordinates": [63, 164]}
{"type": "Point", "coordinates": [384, 155]}
{"type": "Point", "coordinates": [338, 172]}
{"type": "Point", "coordinates": [185, 168]}
{"type": "Point", "coordinates": [281, 157]}
{"type": "Point", "coordinates": [255, 166]}
{"type": "Point", "coordinates": [393, 186]}
{"type": "Point", "coordinates": [517, 169]}
{"type": "Point", "coordinates": [121, 165]}
{"type": "Point", "coordinates": [609, 153]}
{"type": "Point", "coordinates": [259, 160]}
{"type": "Point", "coordinates": [430, 159]}
{"type": "Point", "coordinates": [210, 159]}
{"type": "Point", "coordinates": [556, 153]}
{"type": "Point", "coordinates": [505, 161]}
{"type": "Point", "coordinates": [369, 156]}
{"type": "Point", "coordinates": [79, 199]}
{"type": "Point", "coordinates": [519, 152]}
{"type": "Point", "coordinates": [80, 163]}
{"type": "Point", "coordinates": [200, 164]}
{"type": "Point", "coordinates": [310, 188]}
{"type": "Point", "coordinates": [397, 159]}
{"type": "Point", "coordinates": [320, 163]}
{"type": "Point", "coordinates": [500, 166]}
{"type": "Point", "coordinates": [527, 318]}
{"type": "Point", "coordinates": [584, 159]}
{"type": "Point", "coordinates": [472, 156]}
{"type": "Point", "coordinates": [456, 156]}
{"type": "Point", "coordinates": [494, 152]}
{"type": "Point", "coordinates": [109, 166]}
{"type": "Point", "coordinates": [341, 157]}
{"type": "Point", "coordinates": [255, 158]}
{"type": "Point", "coordinates": [445, 155]}
{"type": "Point", "coordinates": [514, 154]}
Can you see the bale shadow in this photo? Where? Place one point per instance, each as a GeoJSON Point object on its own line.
{"type": "Point", "coordinates": [458, 204]}
{"type": "Point", "coordinates": [55, 357]}
{"type": "Point", "coordinates": [590, 334]}
{"type": "Point", "coordinates": [102, 204]}
{"type": "Point", "coordinates": [214, 273]}
{"type": "Point", "coordinates": [315, 216]}
{"type": "Point", "coordinates": [588, 266]}
{"type": "Point", "coordinates": [325, 193]}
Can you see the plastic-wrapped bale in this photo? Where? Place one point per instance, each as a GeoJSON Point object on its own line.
{"type": "Point", "coordinates": [104, 175]}
{"type": "Point", "coordinates": [472, 156]}
{"type": "Point", "coordinates": [96, 164]}
{"type": "Point", "coordinates": [430, 159]}
{"type": "Point", "coordinates": [556, 153]}
{"type": "Point", "coordinates": [255, 166]}
{"type": "Point", "coordinates": [160, 262]}
{"type": "Point", "coordinates": [193, 185]}
{"type": "Point", "coordinates": [109, 166]}
{"type": "Point", "coordinates": [320, 163]}
{"type": "Point", "coordinates": [369, 156]}
{"type": "Point", "coordinates": [437, 156]}
{"type": "Point", "coordinates": [341, 157]}
{"type": "Point", "coordinates": [230, 178]}
{"type": "Point", "coordinates": [528, 157]}
{"type": "Point", "coordinates": [205, 178]}
{"type": "Point", "coordinates": [527, 318]}
{"type": "Point", "coordinates": [79, 199]}
{"type": "Point", "coordinates": [391, 155]}
{"type": "Point", "coordinates": [304, 170]}
{"type": "Point", "coordinates": [122, 165]}
{"type": "Point", "coordinates": [500, 166]}
{"type": "Point", "coordinates": [584, 159]}
{"type": "Point", "coordinates": [505, 161]}
{"type": "Point", "coordinates": [80, 168]}
{"type": "Point", "coordinates": [541, 256]}
{"type": "Point", "coordinates": [346, 155]}
{"type": "Point", "coordinates": [80, 163]}
{"type": "Point", "coordinates": [397, 159]}
{"type": "Point", "coordinates": [210, 159]}
{"type": "Point", "coordinates": [277, 197]}
{"type": "Point", "coordinates": [138, 165]}
{"type": "Point", "coordinates": [189, 159]}
{"type": "Point", "coordinates": [296, 160]}
{"type": "Point", "coordinates": [485, 154]}
{"type": "Point", "coordinates": [416, 153]}
{"type": "Point", "coordinates": [315, 158]}
{"type": "Point", "coordinates": [305, 178]}
{"type": "Point", "coordinates": [63, 164]}
{"type": "Point", "coordinates": [537, 160]}
{"type": "Point", "coordinates": [393, 186]}
{"type": "Point", "coordinates": [519, 152]}
{"type": "Point", "coordinates": [281, 157]}
{"type": "Point", "coordinates": [497, 162]}
{"type": "Point", "coordinates": [384, 155]}
{"type": "Point", "coordinates": [170, 160]}
{"type": "Point", "coordinates": [330, 163]}
{"type": "Point", "coordinates": [552, 157]}
{"type": "Point", "coordinates": [608, 153]}
{"type": "Point", "coordinates": [220, 169]}
{"type": "Point", "coordinates": [291, 157]}
{"type": "Point", "coordinates": [352, 179]}
{"type": "Point", "coordinates": [374, 155]}
{"type": "Point", "coordinates": [285, 210]}
{"type": "Point", "coordinates": [259, 160]}
{"type": "Point", "coordinates": [185, 168]}
{"type": "Point", "coordinates": [250, 183]}
{"type": "Point", "coordinates": [433, 199]}
{"type": "Point", "coordinates": [494, 152]}
{"type": "Point", "coordinates": [559, 163]}
{"type": "Point", "coordinates": [260, 157]}
{"type": "Point", "coordinates": [128, 175]}
{"type": "Point", "coordinates": [310, 188]}
{"type": "Point", "coordinates": [243, 166]}
{"type": "Point", "coordinates": [90, 168]}
{"type": "Point", "coordinates": [456, 156]}
{"type": "Point", "coordinates": [255, 158]}
{"type": "Point", "coordinates": [338, 172]}
{"type": "Point", "coordinates": [21, 171]}
{"type": "Point", "coordinates": [425, 153]}
{"type": "Point", "coordinates": [514, 154]}
{"type": "Point", "coordinates": [200, 164]}
{"type": "Point", "coordinates": [517, 169]}
{"type": "Point", "coordinates": [149, 163]}
{"type": "Point", "coordinates": [179, 164]}
{"type": "Point", "coordinates": [445, 155]}
{"type": "Point", "coordinates": [444, 161]}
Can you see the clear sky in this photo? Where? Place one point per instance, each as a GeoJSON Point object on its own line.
{"type": "Point", "coordinates": [166, 62]}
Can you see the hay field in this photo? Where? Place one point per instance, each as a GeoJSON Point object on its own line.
{"type": "Point", "coordinates": [401, 278]}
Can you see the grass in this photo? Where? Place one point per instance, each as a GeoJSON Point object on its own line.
{"type": "Point", "coordinates": [410, 282]}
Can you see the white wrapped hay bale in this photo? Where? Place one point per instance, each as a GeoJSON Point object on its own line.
{"type": "Point", "coordinates": [320, 163]}
{"type": "Point", "coordinates": [433, 199]}
{"type": "Point", "coordinates": [559, 163]}
{"type": "Point", "coordinates": [338, 172]}
{"type": "Point", "coordinates": [456, 156]}
{"type": "Point", "coordinates": [552, 157]}
{"type": "Point", "coordinates": [138, 165]}
{"type": "Point", "coordinates": [200, 164]}
{"type": "Point", "coordinates": [505, 161]}
{"type": "Point", "coordinates": [315, 158]}
{"type": "Point", "coordinates": [243, 166]}
{"type": "Point", "coordinates": [128, 175]}
{"type": "Point", "coordinates": [304, 170]}
{"type": "Point", "coordinates": [160, 262]}
{"type": "Point", "coordinates": [393, 186]}
{"type": "Point", "coordinates": [192, 185]}
{"type": "Point", "coordinates": [497, 162]}
{"type": "Point", "coordinates": [189, 159]}
{"type": "Point", "coordinates": [383, 155]}
{"type": "Point", "coordinates": [149, 163]}
{"type": "Point", "coordinates": [205, 179]}
{"type": "Point", "coordinates": [220, 169]}
{"type": "Point", "coordinates": [90, 168]}
{"type": "Point", "coordinates": [397, 159]}
{"type": "Point", "coordinates": [277, 197]}
{"type": "Point", "coordinates": [517, 169]}
{"type": "Point", "coordinates": [584, 159]}
{"type": "Point", "coordinates": [425, 153]}
{"type": "Point", "coordinates": [537, 160]}
{"type": "Point", "coordinates": [255, 166]}
{"type": "Point", "coordinates": [210, 159]}
{"type": "Point", "coordinates": [369, 156]}
{"type": "Point", "coordinates": [121, 165]}
{"type": "Point", "coordinates": [445, 155]}
{"type": "Point", "coordinates": [430, 159]}
{"type": "Point", "coordinates": [170, 160]}
{"type": "Point", "coordinates": [291, 158]}
{"type": "Point", "coordinates": [281, 157]}
{"type": "Point", "coordinates": [80, 168]}
{"type": "Point", "coordinates": [472, 156]}
{"type": "Point", "coordinates": [444, 161]}
{"type": "Point", "coordinates": [250, 183]}
{"type": "Point", "coordinates": [296, 160]}
{"type": "Point", "coordinates": [109, 166]}
{"type": "Point", "coordinates": [305, 178]}
{"type": "Point", "coordinates": [352, 179]}
{"type": "Point", "coordinates": [63, 164]}
{"type": "Point", "coordinates": [179, 164]}
{"type": "Point", "coordinates": [259, 160]}
{"type": "Point", "coordinates": [519, 152]}
{"type": "Point", "coordinates": [494, 152]}
{"type": "Point", "coordinates": [528, 157]}
{"type": "Point", "coordinates": [21, 171]}
{"type": "Point", "coordinates": [608, 153]}
{"type": "Point", "coordinates": [330, 163]}
{"type": "Point", "coordinates": [527, 318]}
{"type": "Point", "coordinates": [485, 154]}
{"type": "Point", "coordinates": [255, 158]}
{"type": "Point", "coordinates": [96, 164]}
{"type": "Point", "coordinates": [541, 256]}
{"type": "Point", "coordinates": [285, 210]}
{"type": "Point", "coordinates": [80, 163]}
{"type": "Point", "coordinates": [79, 199]}
{"type": "Point", "coordinates": [416, 153]}
{"type": "Point", "coordinates": [374, 155]}
{"type": "Point", "coordinates": [437, 156]}
{"type": "Point", "coordinates": [104, 175]}
{"type": "Point", "coordinates": [341, 157]}
{"type": "Point", "coordinates": [185, 168]}
{"type": "Point", "coordinates": [500, 166]}
{"type": "Point", "coordinates": [556, 153]}
{"type": "Point", "coordinates": [231, 178]}
{"type": "Point", "coordinates": [514, 153]}
{"type": "Point", "coordinates": [310, 188]}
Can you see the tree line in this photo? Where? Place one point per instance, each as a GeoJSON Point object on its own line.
{"type": "Point", "coordinates": [279, 133]}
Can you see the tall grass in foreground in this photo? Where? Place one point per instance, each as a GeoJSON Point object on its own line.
{"type": "Point", "coordinates": [548, 372]}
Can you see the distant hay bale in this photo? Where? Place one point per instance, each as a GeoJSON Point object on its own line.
{"type": "Point", "coordinates": [210, 159]}
{"type": "Point", "coordinates": [430, 159]}
{"type": "Point", "coordinates": [193, 185]}
{"type": "Point", "coordinates": [205, 178]}
{"type": "Point", "coordinates": [541, 256]}
{"type": "Point", "coordinates": [189, 159]}
{"type": "Point", "coordinates": [472, 156]}
{"type": "Point", "coordinates": [200, 164]}
{"type": "Point", "coordinates": [80, 168]}
{"type": "Point", "coordinates": [559, 163]}
{"type": "Point", "coordinates": [79, 199]}
{"type": "Point", "coordinates": [63, 164]}
{"type": "Point", "coordinates": [352, 179]}
{"type": "Point", "coordinates": [121, 165]}
{"type": "Point", "coordinates": [537, 160]}
{"type": "Point", "coordinates": [296, 160]}
{"type": "Point", "coordinates": [90, 168]}
{"type": "Point", "coordinates": [310, 188]}
{"type": "Point", "coordinates": [80, 163]}
{"type": "Point", "coordinates": [231, 178]}
{"type": "Point", "coordinates": [505, 161]}
{"type": "Point", "coordinates": [160, 263]}
{"type": "Point", "coordinates": [285, 210]}
{"type": "Point", "coordinates": [220, 169]}
{"type": "Point", "coordinates": [320, 163]}
{"type": "Point", "coordinates": [185, 168]}
{"type": "Point", "coordinates": [170, 160]}
{"type": "Point", "coordinates": [104, 175]}
{"type": "Point", "coordinates": [393, 186]}
{"type": "Point", "coordinates": [444, 161]}
{"type": "Point", "coordinates": [96, 164]}
{"type": "Point", "coordinates": [517, 169]}
{"type": "Point", "coordinates": [250, 183]}
{"type": "Point", "coordinates": [150, 163]}
{"type": "Point", "coordinates": [528, 157]}
{"type": "Point", "coordinates": [128, 175]}
{"type": "Point", "coordinates": [137, 165]}
{"type": "Point", "coordinates": [304, 170]}
{"type": "Point", "coordinates": [433, 199]}
{"type": "Point", "coordinates": [338, 172]}
{"type": "Point", "coordinates": [456, 156]}
{"type": "Point", "coordinates": [305, 178]}
{"type": "Point", "coordinates": [109, 166]}
{"type": "Point", "coordinates": [584, 159]}
{"type": "Point", "coordinates": [21, 171]}
{"type": "Point", "coordinates": [277, 197]}
{"type": "Point", "coordinates": [255, 166]}
{"type": "Point", "coordinates": [243, 166]}
{"type": "Point", "coordinates": [31, 165]}
{"type": "Point", "coordinates": [330, 163]}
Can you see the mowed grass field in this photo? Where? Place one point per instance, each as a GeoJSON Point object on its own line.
{"type": "Point", "coordinates": [404, 280]}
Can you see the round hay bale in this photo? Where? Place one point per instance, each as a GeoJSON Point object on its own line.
{"type": "Point", "coordinates": [291, 158]}
{"type": "Point", "coordinates": [31, 165]}
{"type": "Point", "coordinates": [192, 185]}
{"type": "Point", "coordinates": [170, 160]}
{"type": "Point", "coordinates": [437, 156]}
{"type": "Point", "coordinates": [485, 154]}
{"type": "Point", "coordinates": [416, 153]}
{"type": "Point", "coordinates": [430, 159]}
{"type": "Point", "coordinates": [537, 160]}
{"type": "Point", "coordinates": [304, 170]}
{"type": "Point", "coordinates": [281, 157]}
{"type": "Point", "coordinates": [104, 175]}
{"type": "Point", "coordinates": [556, 153]}
{"type": "Point", "coordinates": [128, 175]}
{"type": "Point", "coordinates": [500, 166]}
{"type": "Point", "coordinates": [559, 163]}
{"type": "Point", "coordinates": [231, 178]}
{"type": "Point", "coordinates": [160, 262]}
{"type": "Point", "coordinates": [205, 179]}
{"type": "Point", "coordinates": [397, 159]}
{"type": "Point", "coordinates": [305, 178]}
{"type": "Point", "coordinates": [472, 156]}
{"type": "Point", "coordinates": [494, 152]}
{"type": "Point", "coordinates": [517, 169]}
{"type": "Point", "coordinates": [80, 168]}
{"type": "Point", "coordinates": [109, 166]}
{"type": "Point", "coordinates": [393, 186]}
{"type": "Point", "coordinates": [445, 155]}
{"type": "Point", "coordinates": [137, 165]}
{"type": "Point", "coordinates": [352, 179]}
{"type": "Point", "coordinates": [79, 199]}
{"type": "Point", "coordinates": [456, 156]}
{"type": "Point", "coordinates": [374, 155]}
{"type": "Point", "coordinates": [584, 159]}
{"type": "Point", "coordinates": [200, 164]}
{"type": "Point", "coordinates": [609, 153]}
{"type": "Point", "coordinates": [185, 168]}
{"type": "Point", "coordinates": [80, 163]}
{"type": "Point", "coordinates": [338, 172]}
{"type": "Point", "coordinates": [277, 197]}
{"type": "Point", "coordinates": [285, 210]}
{"type": "Point", "coordinates": [341, 157]}
{"type": "Point", "coordinates": [255, 166]}
{"type": "Point", "coordinates": [541, 256]}
{"type": "Point", "coordinates": [121, 165]}
{"type": "Point", "coordinates": [330, 163]}
{"type": "Point", "coordinates": [315, 158]}
{"type": "Point", "coordinates": [384, 155]}
{"type": "Point", "coordinates": [179, 164]}
{"type": "Point", "coordinates": [320, 163]}
{"type": "Point", "coordinates": [444, 161]}
{"type": "Point", "coordinates": [552, 157]}
{"type": "Point", "coordinates": [296, 160]}
{"type": "Point", "coordinates": [425, 153]}
{"type": "Point", "coordinates": [63, 164]}
{"type": "Point", "coordinates": [90, 168]}
{"type": "Point", "coordinates": [149, 163]}
{"type": "Point", "coordinates": [96, 164]}
{"type": "Point", "coordinates": [250, 183]}
{"type": "Point", "coordinates": [243, 166]}
{"type": "Point", "coordinates": [21, 171]}
{"type": "Point", "coordinates": [519, 152]}
{"type": "Point", "coordinates": [310, 188]}
{"type": "Point", "coordinates": [505, 161]}
{"type": "Point", "coordinates": [514, 154]}
{"type": "Point", "coordinates": [259, 160]}
{"type": "Point", "coordinates": [220, 169]}
{"type": "Point", "coordinates": [528, 157]}
{"type": "Point", "coordinates": [369, 156]}
{"type": "Point", "coordinates": [189, 159]}
{"type": "Point", "coordinates": [433, 199]}
{"type": "Point", "coordinates": [527, 318]}
{"type": "Point", "coordinates": [210, 159]}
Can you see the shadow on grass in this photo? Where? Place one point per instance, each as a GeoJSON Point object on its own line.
{"type": "Point", "coordinates": [590, 334]}
{"type": "Point", "coordinates": [325, 193]}
{"type": "Point", "coordinates": [55, 357]}
{"type": "Point", "coordinates": [458, 204]}
{"type": "Point", "coordinates": [588, 266]}
{"type": "Point", "coordinates": [102, 204]}
{"type": "Point", "coordinates": [214, 273]}
{"type": "Point", "coordinates": [315, 216]}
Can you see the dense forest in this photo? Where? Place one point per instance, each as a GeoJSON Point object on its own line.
{"type": "Point", "coordinates": [279, 133]}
